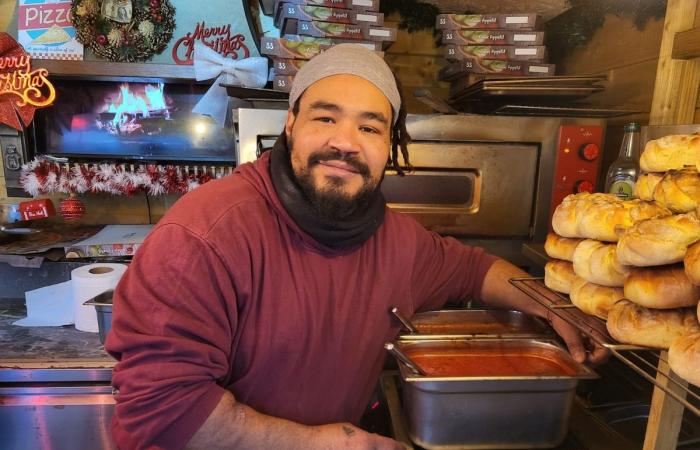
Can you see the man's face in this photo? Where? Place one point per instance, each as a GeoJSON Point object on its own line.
{"type": "Point", "coordinates": [339, 140]}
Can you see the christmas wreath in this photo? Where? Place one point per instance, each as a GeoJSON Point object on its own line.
{"type": "Point", "coordinates": [124, 30]}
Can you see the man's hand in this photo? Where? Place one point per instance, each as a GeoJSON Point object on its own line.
{"type": "Point", "coordinates": [498, 292]}
{"type": "Point", "coordinates": [347, 436]}
{"type": "Point", "coordinates": [582, 348]}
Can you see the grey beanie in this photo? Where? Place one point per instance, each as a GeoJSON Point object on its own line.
{"type": "Point", "coordinates": [348, 59]}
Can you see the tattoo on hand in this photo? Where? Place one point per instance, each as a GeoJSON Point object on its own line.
{"type": "Point", "coordinates": [348, 431]}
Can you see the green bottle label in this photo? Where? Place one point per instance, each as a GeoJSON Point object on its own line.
{"type": "Point", "coordinates": [623, 189]}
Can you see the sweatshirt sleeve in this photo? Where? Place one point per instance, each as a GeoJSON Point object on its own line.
{"type": "Point", "coordinates": [173, 320]}
{"type": "Point", "coordinates": [447, 270]}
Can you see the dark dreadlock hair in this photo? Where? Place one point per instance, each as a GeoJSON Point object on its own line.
{"type": "Point", "coordinates": [399, 135]}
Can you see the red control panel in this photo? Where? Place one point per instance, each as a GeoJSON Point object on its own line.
{"type": "Point", "coordinates": [577, 163]}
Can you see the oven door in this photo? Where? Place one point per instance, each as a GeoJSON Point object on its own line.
{"type": "Point", "coordinates": [467, 188]}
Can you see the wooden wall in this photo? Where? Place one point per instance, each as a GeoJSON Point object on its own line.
{"type": "Point", "coordinates": [628, 57]}
{"type": "Point", "coordinates": [7, 8]}
{"type": "Point", "coordinates": [697, 102]}
{"type": "Point", "coordinates": [416, 60]}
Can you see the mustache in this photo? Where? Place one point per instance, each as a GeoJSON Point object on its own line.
{"type": "Point", "coordinates": [335, 155]}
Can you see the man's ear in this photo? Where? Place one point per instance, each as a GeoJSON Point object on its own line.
{"type": "Point", "coordinates": [289, 123]}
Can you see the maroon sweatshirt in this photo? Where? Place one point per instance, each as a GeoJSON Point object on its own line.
{"type": "Point", "coordinates": [228, 293]}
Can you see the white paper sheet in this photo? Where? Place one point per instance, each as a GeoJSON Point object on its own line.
{"type": "Point", "coordinates": [49, 306]}
{"type": "Point", "coordinates": [118, 234]}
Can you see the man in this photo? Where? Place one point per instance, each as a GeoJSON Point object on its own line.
{"type": "Point", "coordinates": [254, 314]}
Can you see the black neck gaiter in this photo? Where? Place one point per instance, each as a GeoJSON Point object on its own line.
{"type": "Point", "coordinates": [352, 230]}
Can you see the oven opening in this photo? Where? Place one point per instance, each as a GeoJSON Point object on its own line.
{"type": "Point", "coordinates": [451, 189]}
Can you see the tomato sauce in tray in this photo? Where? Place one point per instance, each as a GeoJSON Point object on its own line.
{"type": "Point", "coordinates": [485, 362]}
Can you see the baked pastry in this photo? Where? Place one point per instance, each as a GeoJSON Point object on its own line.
{"type": "Point", "coordinates": [559, 275]}
{"type": "Point", "coordinates": [679, 190]}
{"type": "Point", "coordinates": [630, 323]}
{"type": "Point", "coordinates": [656, 242]}
{"type": "Point", "coordinates": [599, 216]}
{"type": "Point", "coordinates": [560, 247]}
{"type": "Point", "coordinates": [595, 262]}
{"type": "Point", "coordinates": [684, 357]}
{"type": "Point", "coordinates": [603, 220]}
{"type": "Point", "coordinates": [645, 185]}
{"type": "Point", "coordinates": [670, 152]}
{"type": "Point", "coordinates": [594, 299]}
{"type": "Point", "coordinates": [691, 263]}
{"type": "Point", "coordinates": [564, 221]}
{"type": "Point", "coordinates": [661, 287]}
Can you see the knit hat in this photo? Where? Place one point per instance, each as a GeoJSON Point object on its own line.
{"type": "Point", "coordinates": [348, 59]}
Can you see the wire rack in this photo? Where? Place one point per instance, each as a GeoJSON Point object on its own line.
{"type": "Point", "coordinates": [642, 360]}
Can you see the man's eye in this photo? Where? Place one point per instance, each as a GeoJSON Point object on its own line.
{"type": "Point", "coordinates": [368, 130]}
{"type": "Point", "coordinates": [324, 119]}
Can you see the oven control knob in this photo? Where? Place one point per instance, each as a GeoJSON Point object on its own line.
{"type": "Point", "coordinates": [583, 186]}
{"type": "Point", "coordinates": [589, 152]}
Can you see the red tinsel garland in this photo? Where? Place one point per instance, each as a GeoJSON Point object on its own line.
{"type": "Point", "coordinates": [44, 177]}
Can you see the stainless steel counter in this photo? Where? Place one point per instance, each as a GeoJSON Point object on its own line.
{"type": "Point", "coordinates": [55, 387]}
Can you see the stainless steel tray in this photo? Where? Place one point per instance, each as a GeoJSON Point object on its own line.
{"type": "Point", "coordinates": [476, 323]}
{"type": "Point", "coordinates": [493, 412]}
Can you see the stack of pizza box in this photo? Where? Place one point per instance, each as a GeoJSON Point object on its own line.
{"type": "Point", "coordinates": [501, 45]}
{"type": "Point", "coordinates": [308, 27]}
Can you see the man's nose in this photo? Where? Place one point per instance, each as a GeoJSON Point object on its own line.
{"type": "Point", "coordinates": [344, 138]}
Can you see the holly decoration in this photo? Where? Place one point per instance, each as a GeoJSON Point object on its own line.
{"type": "Point", "coordinates": [72, 208]}
{"type": "Point", "coordinates": [147, 34]}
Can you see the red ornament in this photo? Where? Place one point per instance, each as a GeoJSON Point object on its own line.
{"type": "Point", "coordinates": [72, 209]}
{"type": "Point", "coordinates": [102, 39]}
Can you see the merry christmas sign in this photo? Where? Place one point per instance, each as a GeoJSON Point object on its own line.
{"type": "Point", "coordinates": [22, 90]}
{"type": "Point", "coordinates": [220, 24]}
{"type": "Point", "coordinates": [45, 30]}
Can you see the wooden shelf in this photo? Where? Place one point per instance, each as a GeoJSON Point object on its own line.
{"type": "Point", "coordinates": [114, 71]}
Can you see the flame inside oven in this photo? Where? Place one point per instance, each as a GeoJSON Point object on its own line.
{"type": "Point", "coordinates": [132, 106]}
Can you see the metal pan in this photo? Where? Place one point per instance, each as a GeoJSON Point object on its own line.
{"type": "Point", "coordinates": [103, 307]}
{"type": "Point", "coordinates": [476, 323]}
{"type": "Point", "coordinates": [519, 404]}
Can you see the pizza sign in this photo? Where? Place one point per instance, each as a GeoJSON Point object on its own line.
{"type": "Point", "coordinates": [45, 30]}
{"type": "Point", "coordinates": [45, 16]}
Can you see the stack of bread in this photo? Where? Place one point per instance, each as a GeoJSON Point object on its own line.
{"type": "Point", "coordinates": [636, 263]}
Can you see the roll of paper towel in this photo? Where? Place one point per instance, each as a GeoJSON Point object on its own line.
{"type": "Point", "coordinates": [89, 281]}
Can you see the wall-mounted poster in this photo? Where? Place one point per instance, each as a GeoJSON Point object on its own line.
{"type": "Point", "coordinates": [223, 25]}
{"type": "Point", "coordinates": [45, 30]}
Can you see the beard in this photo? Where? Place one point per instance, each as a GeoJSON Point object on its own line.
{"type": "Point", "coordinates": [330, 201]}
